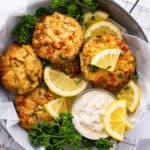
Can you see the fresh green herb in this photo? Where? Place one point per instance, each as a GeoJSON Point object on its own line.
{"type": "Point", "coordinates": [69, 7]}
{"type": "Point", "coordinates": [75, 11]}
{"type": "Point", "coordinates": [87, 25]}
{"type": "Point", "coordinates": [101, 144]}
{"type": "Point", "coordinates": [23, 31]}
{"type": "Point", "coordinates": [55, 4]}
{"type": "Point", "coordinates": [126, 87]}
{"type": "Point", "coordinates": [135, 77]}
{"type": "Point", "coordinates": [120, 75]}
{"type": "Point", "coordinates": [72, 7]}
{"type": "Point", "coordinates": [90, 4]}
{"type": "Point", "coordinates": [42, 85]}
{"type": "Point", "coordinates": [46, 63]}
{"type": "Point", "coordinates": [41, 12]}
{"type": "Point", "coordinates": [92, 68]}
{"type": "Point", "coordinates": [93, 18]}
{"type": "Point", "coordinates": [56, 96]}
{"type": "Point", "coordinates": [60, 132]}
{"type": "Point", "coordinates": [104, 144]}
{"type": "Point", "coordinates": [77, 81]}
{"type": "Point", "coordinates": [108, 67]}
{"type": "Point", "coordinates": [54, 135]}
{"type": "Point", "coordinates": [63, 58]}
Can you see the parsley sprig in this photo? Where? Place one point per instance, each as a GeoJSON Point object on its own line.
{"type": "Point", "coordinates": [60, 132]}
{"type": "Point", "coordinates": [73, 7]}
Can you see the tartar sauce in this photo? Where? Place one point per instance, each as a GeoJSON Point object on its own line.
{"type": "Point", "coordinates": [88, 110]}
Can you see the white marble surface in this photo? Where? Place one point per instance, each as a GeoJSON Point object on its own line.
{"type": "Point", "coordinates": [144, 3]}
{"type": "Point", "coordinates": [141, 13]}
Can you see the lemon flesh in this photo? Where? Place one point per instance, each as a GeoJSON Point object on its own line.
{"type": "Point", "coordinates": [106, 59]}
{"type": "Point", "coordinates": [128, 125]}
{"type": "Point", "coordinates": [131, 93]}
{"type": "Point", "coordinates": [91, 18]}
{"type": "Point", "coordinates": [102, 28]}
{"type": "Point", "coordinates": [58, 106]}
{"type": "Point", "coordinates": [63, 85]}
{"type": "Point", "coordinates": [115, 119]}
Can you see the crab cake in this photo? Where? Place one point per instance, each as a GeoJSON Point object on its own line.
{"type": "Point", "coordinates": [71, 68]}
{"type": "Point", "coordinates": [30, 108]}
{"type": "Point", "coordinates": [20, 69]}
{"type": "Point", "coordinates": [124, 70]}
{"type": "Point", "coordinates": [57, 38]}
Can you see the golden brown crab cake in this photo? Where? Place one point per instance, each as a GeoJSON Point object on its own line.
{"type": "Point", "coordinates": [20, 69]}
{"type": "Point", "coordinates": [57, 38]}
{"type": "Point", "coordinates": [30, 107]}
{"type": "Point", "coordinates": [71, 68]}
{"type": "Point", "coordinates": [124, 70]}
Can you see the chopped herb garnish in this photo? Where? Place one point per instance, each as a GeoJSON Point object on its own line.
{"type": "Point", "coordinates": [108, 67]}
{"type": "Point", "coordinates": [93, 18]}
{"type": "Point", "coordinates": [92, 68]}
{"type": "Point", "coordinates": [135, 77]}
{"type": "Point", "coordinates": [126, 87]}
{"type": "Point", "coordinates": [87, 25]}
{"type": "Point", "coordinates": [42, 85]}
{"type": "Point", "coordinates": [56, 96]}
{"type": "Point", "coordinates": [64, 58]}
{"type": "Point", "coordinates": [120, 75]}
{"type": "Point", "coordinates": [77, 81]}
{"type": "Point", "coordinates": [46, 63]}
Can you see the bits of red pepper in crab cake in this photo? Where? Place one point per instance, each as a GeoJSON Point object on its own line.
{"type": "Point", "coordinates": [30, 107]}
{"type": "Point", "coordinates": [20, 69]}
{"type": "Point", "coordinates": [124, 69]}
{"type": "Point", "coordinates": [57, 38]}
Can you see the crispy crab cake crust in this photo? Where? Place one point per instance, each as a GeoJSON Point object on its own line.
{"type": "Point", "coordinates": [20, 69]}
{"type": "Point", "coordinates": [125, 68]}
{"type": "Point", "coordinates": [71, 68]}
{"type": "Point", "coordinates": [57, 38]}
{"type": "Point", "coordinates": [30, 107]}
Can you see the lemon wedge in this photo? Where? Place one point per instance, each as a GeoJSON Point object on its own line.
{"type": "Point", "coordinates": [106, 59]}
{"type": "Point", "coordinates": [91, 18]}
{"type": "Point", "coordinates": [115, 119]}
{"type": "Point", "coordinates": [131, 93]}
{"type": "Point", "coordinates": [63, 85]}
{"type": "Point", "coordinates": [57, 106]}
{"type": "Point", "coordinates": [128, 125]}
{"type": "Point", "coordinates": [101, 28]}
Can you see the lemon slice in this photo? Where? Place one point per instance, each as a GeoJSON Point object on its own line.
{"type": "Point", "coordinates": [57, 106]}
{"type": "Point", "coordinates": [91, 18]}
{"type": "Point", "coordinates": [106, 59]}
{"type": "Point", "coordinates": [131, 93]}
{"type": "Point", "coordinates": [101, 28]}
{"type": "Point", "coordinates": [115, 119]}
{"type": "Point", "coordinates": [62, 84]}
{"type": "Point", "coordinates": [128, 125]}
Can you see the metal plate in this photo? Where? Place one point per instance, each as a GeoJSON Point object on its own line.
{"type": "Point", "coordinates": [121, 16]}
